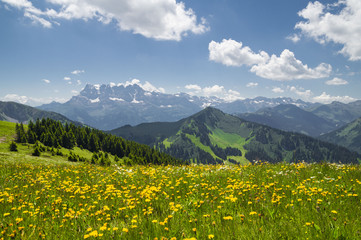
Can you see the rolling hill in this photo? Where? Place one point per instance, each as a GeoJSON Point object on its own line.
{"type": "Point", "coordinates": [348, 136]}
{"type": "Point", "coordinates": [20, 113]}
{"type": "Point", "coordinates": [211, 136]}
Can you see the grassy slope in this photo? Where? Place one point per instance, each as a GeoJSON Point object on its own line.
{"type": "Point", "coordinates": [7, 134]}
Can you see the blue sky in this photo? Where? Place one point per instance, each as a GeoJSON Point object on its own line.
{"type": "Point", "coordinates": [311, 50]}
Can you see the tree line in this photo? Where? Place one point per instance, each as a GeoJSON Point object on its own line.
{"type": "Point", "coordinates": [54, 134]}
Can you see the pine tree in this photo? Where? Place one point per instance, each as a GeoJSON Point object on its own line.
{"type": "Point", "coordinates": [13, 147]}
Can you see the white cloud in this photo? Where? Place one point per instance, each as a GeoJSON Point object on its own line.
{"type": "Point", "coordinates": [46, 81]}
{"type": "Point", "coordinates": [29, 11]}
{"type": "Point", "coordinates": [78, 82]}
{"type": "Point", "coordinates": [193, 87]}
{"type": "Point", "coordinates": [31, 100]}
{"type": "Point", "coordinates": [339, 23]}
{"type": "Point", "coordinates": [77, 72]}
{"type": "Point", "coordinates": [326, 98]}
{"type": "Point", "coordinates": [294, 38]}
{"type": "Point", "coordinates": [214, 91]}
{"type": "Point", "coordinates": [305, 94]}
{"type": "Point", "coordinates": [287, 67]}
{"type": "Point", "coordinates": [277, 90]}
{"type": "Point", "coordinates": [67, 78]}
{"type": "Point", "coordinates": [160, 19]}
{"type": "Point", "coordinates": [232, 53]}
{"type": "Point", "coordinates": [336, 81]}
{"type": "Point", "coordinates": [232, 96]}
{"type": "Point", "coordinates": [282, 68]}
{"type": "Point", "coordinates": [74, 92]}
{"type": "Point", "coordinates": [252, 84]}
{"type": "Point", "coordinates": [38, 20]}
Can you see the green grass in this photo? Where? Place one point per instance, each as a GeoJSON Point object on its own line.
{"type": "Point", "coordinates": [223, 140]}
{"type": "Point", "coordinates": [48, 197]}
{"type": "Point", "coordinates": [80, 201]}
{"type": "Point", "coordinates": [7, 131]}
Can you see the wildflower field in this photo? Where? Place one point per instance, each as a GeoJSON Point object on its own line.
{"type": "Point", "coordinates": [261, 201]}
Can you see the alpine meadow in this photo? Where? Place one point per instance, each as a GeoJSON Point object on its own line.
{"type": "Point", "coordinates": [180, 119]}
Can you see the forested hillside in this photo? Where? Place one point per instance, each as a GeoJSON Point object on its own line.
{"type": "Point", "coordinates": [54, 134]}
{"type": "Point", "coordinates": [212, 136]}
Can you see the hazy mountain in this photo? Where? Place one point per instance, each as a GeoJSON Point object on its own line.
{"type": "Point", "coordinates": [20, 113]}
{"type": "Point", "coordinates": [291, 118]}
{"type": "Point", "coordinates": [348, 136]}
{"type": "Point", "coordinates": [255, 104]}
{"type": "Point", "coordinates": [110, 106]}
{"type": "Point", "coordinates": [338, 113]}
{"type": "Point", "coordinates": [212, 136]}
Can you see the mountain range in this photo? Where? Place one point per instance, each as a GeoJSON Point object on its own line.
{"type": "Point", "coordinates": [110, 106]}
{"type": "Point", "coordinates": [314, 121]}
{"type": "Point", "coordinates": [212, 136]}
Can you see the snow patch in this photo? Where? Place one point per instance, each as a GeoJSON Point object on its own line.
{"type": "Point", "coordinates": [95, 100]}
{"type": "Point", "coordinates": [136, 101]}
{"type": "Point", "coordinates": [117, 99]}
{"type": "Point", "coordinates": [204, 105]}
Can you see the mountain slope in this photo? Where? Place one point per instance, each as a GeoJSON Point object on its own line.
{"type": "Point", "coordinates": [289, 117]}
{"type": "Point", "coordinates": [338, 113]}
{"type": "Point", "coordinates": [20, 113]}
{"type": "Point", "coordinates": [348, 136]}
{"type": "Point", "coordinates": [212, 136]}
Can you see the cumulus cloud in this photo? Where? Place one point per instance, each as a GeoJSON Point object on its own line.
{"type": "Point", "coordinates": [326, 98]}
{"type": "Point", "coordinates": [338, 23]}
{"type": "Point", "coordinates": [214, 91]}
{"type": "Point", "coordinates": [31, 100]}
{"type": "Point", "coordinates": [232, 53]}
{"type": "Point", "coordinates": [277, 90]}
{"type": "Point", "coordinates": [252, 84]}
{"type": "Point", "coordinates": [74, 92]}
{"type": "Point", "coordinates": [287, 67]}
{"type": "Point", "coordinates": [305, 94]}
{"type": "Point", "coordinates": [193, 87]}
{"type": "Point", "coordinates": [67, 78]}
{"type": "Point", "coordinates": [282, 68]}
{"type": "Point", "coordinates": [336, 81]}
{"type": "Point", "coordinates": [77, 72]}
{"type": "Point", "coordinates": [78, 82]}
{"type": "Point", "coordinates": [46, 81]}
{"type": "Point", "coordinates": [161, 19]}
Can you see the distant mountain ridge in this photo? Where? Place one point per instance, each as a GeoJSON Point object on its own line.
{"type": "Point", "coordinates": [110, 106]}
{"type": "Point", "coordinates": [20, 113]}
{"type": "Point", "coordinates": [291, 118]}
{"type": "Point", "coordinates": [314, 121]}
{"type": "Point", "coordinates": [211, 136]}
